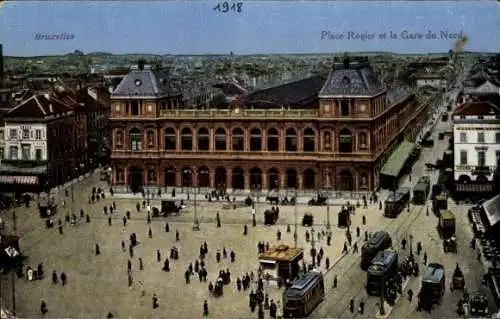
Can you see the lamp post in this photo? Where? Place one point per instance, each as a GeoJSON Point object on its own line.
{"type": "Point", "coordinates": [328, 225]}
{"type": "Point", "coordinates": [382, 292]}
{"type": "Point", "coordinates": [295, 235]}
{"type": "Point", "coordinates": [196, 222]}
{"type": "Point", "coordinates": [313, 249]}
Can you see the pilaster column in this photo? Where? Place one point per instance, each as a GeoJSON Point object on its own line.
{"type": "Point", "coordinates": [194, 176]}
{"type": "Point", "coordinates": [246, 177]}
{"type": "Point", "coordinates": [282, 139]}
{"type": "Point", "coordinates": [211, 143]}
{"type": "Point", "coordinates": [263, 136]}
{"type": "Point", "coordinates": [125, 173]}
{"type": "Point", "coordinates": [195, 139]}
{"type": "Point", "coordinates": [282, 180]}
{"type": "Point", "coordinates": [300, 177]}
{"type": "Point", "coordinates": [229, 179]}
{"type": "Point", "coordinates": [211, 178]}
{"type": "Point", "coordinates": [265, 178]}
{"type": "Point", "coordinates": [158, 177]}
{"type": "Point", "coordinates": [178, 139]}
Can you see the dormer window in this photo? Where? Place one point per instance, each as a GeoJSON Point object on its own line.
{"type": "Point", "coordinates": [138, 82]}
{"type": "Point", "coordinates": [346, 80]}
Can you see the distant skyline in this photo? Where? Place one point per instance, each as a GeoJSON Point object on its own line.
{"type": "Point", "coordinates": [192, 27]}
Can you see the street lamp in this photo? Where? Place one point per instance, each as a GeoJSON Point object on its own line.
{"type": "Point", "coordinates": [313, 250]}
{"type": "Point", "coordinates": [382, 292]}
{"type": "Point", "coordinates": [295, 235]}
{"type": "Point", "coordinates": [196, 222]}
{"type": "Point", "coordinates": [328, 225]}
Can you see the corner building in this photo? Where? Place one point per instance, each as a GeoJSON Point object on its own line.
{"type": "Point", "coordinates": [331, 132]}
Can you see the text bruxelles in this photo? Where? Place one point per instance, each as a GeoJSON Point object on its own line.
{"type": "Point", "coordinates": [390, 35]}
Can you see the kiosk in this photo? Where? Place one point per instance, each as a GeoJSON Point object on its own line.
{"type": "Point", "coordinates": [282, 262]}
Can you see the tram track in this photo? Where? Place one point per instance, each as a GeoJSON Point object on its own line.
{"type": "Point", "coordinates": [354, 274]}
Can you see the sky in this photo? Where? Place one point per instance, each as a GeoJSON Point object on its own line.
{"type": "Point", "coordinates": [262, 27]}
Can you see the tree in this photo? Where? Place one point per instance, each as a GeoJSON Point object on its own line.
{"type": "Point", "coordinates": [347, 60]}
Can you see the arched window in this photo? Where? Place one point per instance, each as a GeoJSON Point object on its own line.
{"type": "Point", "coordinates": [119, 176]}
{"type": "Point", "coordinates": [187, 177]}
{"type": "Point", "coordinates": [170, 176]}
{"type": "Point", "coordinates": [256, 178]}
{"type": "Point", "coordinates": [238, 139]}
{"type": "Point", "coordinates": [345, 141]}
{"type": "Point", "coordinates": [220, 177]}
{"type": "Point", "coordinates": [309, 140]}
{"type": "Point", "coordinates": [150, 137]}
{"type": "Point", "coordinates": [186, 139]}
{"type": "Point", "coordinates": [273, 178]}
{"type": "Point", "coordinates": [255, 140]}
{"type": "Point", "coordinates": [309, 179]}
{"type": "Point", "coordinates": [203, 177]}
{"type": "Point", "coordinates": [363, 140]}
{"type": "Point", "coordinates": [203, 139]}
{"type": "Point", "coordinates": [220, 139]}
{"type": "Point", "coordinates": [170, 139]}
{"type": "Point", "coordinates": [273, 139]}
{"type": "Point", "coordinates": [291, 140]}
{"type": "Point", "coordinates": [118, 139]}
{"type": "Point", "coordinates": [291, 178]}
{"type": "Point", "coordinates": [135, 138]}
{"type": "Point", "coordinates": [238, 176]}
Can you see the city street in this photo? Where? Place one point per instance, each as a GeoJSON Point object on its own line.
{"type": "Point", "coordinates": [98, 284]}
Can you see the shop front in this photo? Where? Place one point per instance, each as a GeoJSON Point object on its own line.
{"type": "Point", "coordinates": [20, 184]}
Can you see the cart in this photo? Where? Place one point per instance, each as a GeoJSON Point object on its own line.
{"type": "Point", "coordinates": [458, 281]}
{"type": "Point", "coordinates": [307, 220]}
{"type": "Point", "coordinates": [450, 245]}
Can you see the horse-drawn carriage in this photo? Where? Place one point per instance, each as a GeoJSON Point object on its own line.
{"type": "Point", "coordinates": [271, 216]}
{"type": "Point", "coordinates": [307, 220]}
{"type": "Point", "coordinates": [458, 280]}
{"type": "Point", "coordinates": [273, 198]}
{"type": "Point", "coordinates": [319, 200]}
{"type": "Point", "coordinates": [450, 245]}
{"type": "Point", "coordinates": [289, 201]}
{"type": "Point", "coordinates": [344, 218]}
{"type": "Point", "coordinates": [168, 207]}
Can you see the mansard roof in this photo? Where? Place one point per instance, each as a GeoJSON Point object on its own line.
{"type": "Point", "coordinates": [351, 79]}
{"type": "Point", "coordinates": [144, 82]}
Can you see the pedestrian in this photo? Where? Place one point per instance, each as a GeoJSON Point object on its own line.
{"type": "Point", "coordinates": [60, 230]}
{"type": "Point", "coordinates": [238, 283]}
{"type": "Point", "coordinates": [361, 307]}
{"type": "Point", "coordinates": [272, 309]}
{"type": "Point", "coordinates": [224, 252]}
{"type": "Point", "coordinates": [141, 265]}
{"type": "Point", "coordinates": [245, 230]}
{"type": "Point", "coordinates": [82, 213]}
{"type": "Point", "coordinates": [410, 295]}
{"type": "Point", "coordinates": [278, 235]}
{"type": "Point", "coordinates": [233, 256]}
{"type": "Point", "coordinates": [177, 236]}
{"type": "Point", "coordinates": [109, 221]}
{"type": "Point", "coordinates": [149, 218]}
{"type": "Point", "coordinates": [114, 205]}
{"type": "Point", "coordinates": [155, 301]}
{"type": "Point", "coordinates": [87, 217]}
{"type": "Point", "coordinates": [351, 305]}
{"type": "Point", "coordinates": [166, 265]}
{"type": "Point", "coordinates": [105, 210]}
{"type": "Point", "coordinates": [358, 231]}
{"type": "Point", "coordinates": [129, 265]}
{"type": "Point", "coordinates": [97, 249]}
{"type": "Point", "coordinates": [218, 220]}
{"type": "Point", "coordinates": [123, 245]}
{"type": "Point", "coordinates": [124, 221]}
{"type": "Point", "coordinates": [205, 308]}
{"type": "Point", "coordinates": [217, 256]}
{"type": "Point", "coordinates": [327, 263]}
{"type": "Point", "coordinates": [355, 248]}
{"type": "Point", "coordinates": [425, 258]}
{"type": "Point", "coordinates": [54, 277]}
{"type": "Point", "coordinates": [150, 233]}
{"type": "Point", "coordinates": [63, 278]}
{"type": "Point", "coordinates": [127, 213]}
{"type": "Point", "coordinates": [329, 240]}
{"type": "Point", "coordinates": [167, 228]}
{"type": "Point", "coordinates": [158, 255]}
{"type": "Point", "coordinates": [131, 250]}
{"type": "Point", "coordinates": [419, 248]}
{"type": "Point", "coordinates": [335, 281]}
{"type": "Point", "coordinates": [366, 235]}
{"type": "Point", "coordinates": [43, 307]}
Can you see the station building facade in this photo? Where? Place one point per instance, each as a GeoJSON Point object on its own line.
{"type": "Point", "coordinates": [331, 132]}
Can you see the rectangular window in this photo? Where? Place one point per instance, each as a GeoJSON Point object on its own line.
{"type": "Point", "coordinates": [26, 134]}
{"type": "Point", "coordinates": [26, 152]}
{"type": "Point", "coordinates": [38, 154]}
{"type": "Point", "coordinates": [13, 153]}
{"type": "Point", "coordinates": [480, 137]}
{"type": "Point", "coordinates": [13, 134]}
{"type": "Point", "coordinates": [463, 157]}
{"type": "Point", "coordinates": [463, 137]}
{"type": "Point", "coordinates": [38, 134]}
{"type": "Point", "coordinates": [481, 158]}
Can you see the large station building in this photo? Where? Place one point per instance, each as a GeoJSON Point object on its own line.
{"type": "Point", "coordinates": [331, 132]}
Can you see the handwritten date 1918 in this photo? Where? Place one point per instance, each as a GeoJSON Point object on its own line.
{"type": "Point", "coordinates": [225, 7]}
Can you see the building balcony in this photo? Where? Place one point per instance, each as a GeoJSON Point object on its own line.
{"type": "Point", "coordinates": [247, 156]}
{"type": "Point", "coordinates": [482, 170]}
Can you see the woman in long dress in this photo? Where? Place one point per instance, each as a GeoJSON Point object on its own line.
{"type": "Point", "coordinates": [30, 274]}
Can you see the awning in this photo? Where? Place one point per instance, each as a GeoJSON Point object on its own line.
{"type": "Point", "coordinates": [398, 159]}
{"type": "Point", "coordinates": [24, 180]}
{"type": "Point", "coordinates": [491, 209]}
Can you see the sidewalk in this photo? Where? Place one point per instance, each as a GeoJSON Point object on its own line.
{"type": "Point", "coordinates": [55, 190]}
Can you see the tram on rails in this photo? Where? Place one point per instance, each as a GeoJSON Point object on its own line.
{"type": "Point", "coordinates": [304, 295]}
{"type": "Point", "coordinates": [384, 266]}
{"type": "Point", "coordinates": [380, 240]}
{"type": "Point", "coordinates": [397, 202]}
